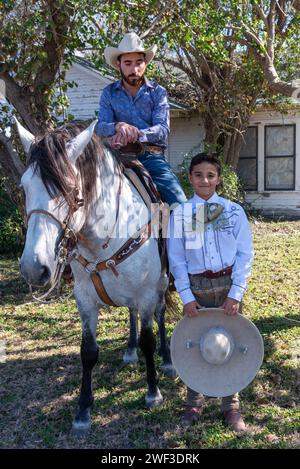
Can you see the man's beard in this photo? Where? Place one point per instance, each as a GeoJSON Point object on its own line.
{"type": "Point", "coordinates": [132, 81]}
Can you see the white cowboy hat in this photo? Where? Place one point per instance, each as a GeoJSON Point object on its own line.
{"type": "Point", "coordinates": [130, 43]}
{"type": "Point", "coordinates": [215, 354]}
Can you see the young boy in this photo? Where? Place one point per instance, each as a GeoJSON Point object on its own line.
{"type": "Point", "coordinates": [210, 253]}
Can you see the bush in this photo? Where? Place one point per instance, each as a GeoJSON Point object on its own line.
{"type": "Point", "coordinates": [11, 234]}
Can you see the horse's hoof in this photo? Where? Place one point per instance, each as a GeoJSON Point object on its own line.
{"type": "Point", "coordinates": [153, 401]}
{"type": "Point", "coordinates": [169, 370]}
{"type": "Point", "coordinates": [80, 432]}
{"type": "Point", "coordinates": [130, 357]}
{"type": "Point", "coordinates": [81, 424]}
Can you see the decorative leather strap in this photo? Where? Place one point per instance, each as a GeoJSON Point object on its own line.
{"type": "Point", "coordinates": [100, 289]}
{"type": "Point", "coordinates": [134, 179]}
{"type": "Point", "coordinates": [131, 245]}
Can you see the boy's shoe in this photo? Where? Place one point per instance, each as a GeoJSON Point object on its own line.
{"type": "Point", "coordinates": [234, 420]}
{"type": "Point", "coordinates": [191, 415]}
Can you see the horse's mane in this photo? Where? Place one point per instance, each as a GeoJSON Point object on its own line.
{"type": "Point", "coordinates": [49, 154]}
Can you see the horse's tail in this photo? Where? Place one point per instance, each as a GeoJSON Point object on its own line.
{"type": "Point", "coordinates": [174, 305]}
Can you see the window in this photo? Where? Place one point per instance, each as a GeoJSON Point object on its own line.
{"type": "Point", "coordinates": [247, 166]}
{"type": "Point", "coordinates": [280, 157]}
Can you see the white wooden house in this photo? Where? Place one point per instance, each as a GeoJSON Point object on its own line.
{"type": "Point", "coordinates": [270, 158]}
{"type": "Point", "coordinates": [270, 162]}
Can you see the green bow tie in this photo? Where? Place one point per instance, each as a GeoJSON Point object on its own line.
{"type": "Point", "coordinates": [211, 211]}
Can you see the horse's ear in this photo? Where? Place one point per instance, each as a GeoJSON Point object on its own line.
{"type": "Point", "coordinates": [26, 137]}
{"type": "Point", "coordinates": [76, 146]}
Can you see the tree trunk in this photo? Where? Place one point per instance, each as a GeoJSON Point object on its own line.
{"type": "Point", "coordinates": [10, 160]}
{"type": "Point", "coordinates": [211, 132]}
{"type": "Point", "coordinates": [12, 168]}
{"type": "Point", "coordinates": [230, 143]}
{"type": "Point", "coordinates": [232, 147]}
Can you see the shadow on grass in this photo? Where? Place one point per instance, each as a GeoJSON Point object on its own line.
{"type": "Point", "coordinates": [39, 398]}
{"type": "Point", "coordinates": [277, 323]}
{"type": "Point", "coordinates": [14, 291]}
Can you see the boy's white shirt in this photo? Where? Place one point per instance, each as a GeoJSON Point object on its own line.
{"type": "Point", "coordinates": [225, 242]}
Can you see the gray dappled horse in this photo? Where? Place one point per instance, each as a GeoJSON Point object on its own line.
{"type": "Point", "coordinates": [73, 185]}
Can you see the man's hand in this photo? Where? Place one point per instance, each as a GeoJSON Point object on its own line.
{"type": "Point", "coordinates": [231, 306]}
{"type": "Point", "coordinates": [191, 309]}
{"type": "Point", "coordinates": [118, 140]}
{"type": "Point", "coordinates": [126, 133]}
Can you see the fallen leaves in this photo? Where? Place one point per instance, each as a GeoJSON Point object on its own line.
{"type": "Point", "coordinates": [271, 438]}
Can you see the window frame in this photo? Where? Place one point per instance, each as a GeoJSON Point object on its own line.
{"type": "Point", "coordinates": [253, 158]}
{"type": "Point", "coordinates": [279, 156]}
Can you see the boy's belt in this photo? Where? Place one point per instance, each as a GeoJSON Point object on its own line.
{"type": "Point", "coordinates": [221, 273]}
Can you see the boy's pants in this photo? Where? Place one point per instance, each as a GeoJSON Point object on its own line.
{"type": "Point", "coordinates": [211, 293]}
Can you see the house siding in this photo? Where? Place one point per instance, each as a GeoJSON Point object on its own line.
{"type": "Point", "coordinates": [84, 99]}
{"type": "Point", "coordinates": [186, 135]}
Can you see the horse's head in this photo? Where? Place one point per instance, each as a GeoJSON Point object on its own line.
{"type": "Point", "coordinates": [53, 186]}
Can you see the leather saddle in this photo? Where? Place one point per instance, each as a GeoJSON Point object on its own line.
{"type": "Point", "coordinates": [141, 179]}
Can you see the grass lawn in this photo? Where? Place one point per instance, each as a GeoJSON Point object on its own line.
{"type": "Point", "coordinates": [40, 374]}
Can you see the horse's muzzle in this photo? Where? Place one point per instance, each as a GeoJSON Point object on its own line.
{"type": "Point", "coordinates": [35, 273]}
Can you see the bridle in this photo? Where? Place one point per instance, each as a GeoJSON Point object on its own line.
{"type": "Point", "coordinates": [65, 246]}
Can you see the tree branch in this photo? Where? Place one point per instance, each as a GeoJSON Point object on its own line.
{"type": "Point", "coordinates": [271, 29]}
{"type": "Point", "coordinates": [187, 71]}
{"type": "Point", "coordinates": [260, 11]}
{"type": "Point", "coordinates": [156, 21]}
{"type": "Point", "coordinates": [59, 21]}
{"type": "Point", "coordinates": [20, 98]}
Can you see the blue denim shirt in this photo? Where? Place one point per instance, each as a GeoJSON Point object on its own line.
{"type": "Point", "coordinates": [148, 110]}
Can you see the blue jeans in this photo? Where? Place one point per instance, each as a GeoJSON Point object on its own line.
{"type": "Point", "coordinates": [164, 178]}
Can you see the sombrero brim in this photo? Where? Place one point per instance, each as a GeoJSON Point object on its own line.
{"type": "Point", "coordinates": [216, 380]}
{"type": "Point", "coordinates": [111, 54]}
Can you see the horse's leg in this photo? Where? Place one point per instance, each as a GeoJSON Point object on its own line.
{"type": "Point", "coordinates": [130, 356]}
{"type": "Point", "coordinates": [164, 349]}
{"type": "Point", "coordinates": [89, 357]}
{"type": "Point", "coordinates": [147, 344]}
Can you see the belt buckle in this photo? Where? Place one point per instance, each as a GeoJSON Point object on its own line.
{"type": "Point", "coordinates": [156, 150]}
{"type": "Point", "coordinates": [153, 149]}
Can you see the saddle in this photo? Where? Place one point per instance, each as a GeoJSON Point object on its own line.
{"type": "Point", "coordinates": [141, 179]}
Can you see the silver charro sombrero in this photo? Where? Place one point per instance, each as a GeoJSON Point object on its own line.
{"type": "Point", "coordinates": [130, 43]}
{"type": "Point", "coordinates": [215, 354]}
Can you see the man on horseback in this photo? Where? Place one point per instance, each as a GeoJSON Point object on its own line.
{"type": "Point", "coordinates": [134, 113]}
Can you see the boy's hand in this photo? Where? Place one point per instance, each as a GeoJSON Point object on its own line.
{"type": "Point", "coordinates": [231, 306]}
{"type": "Point", "coordinates": [191, 309]}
